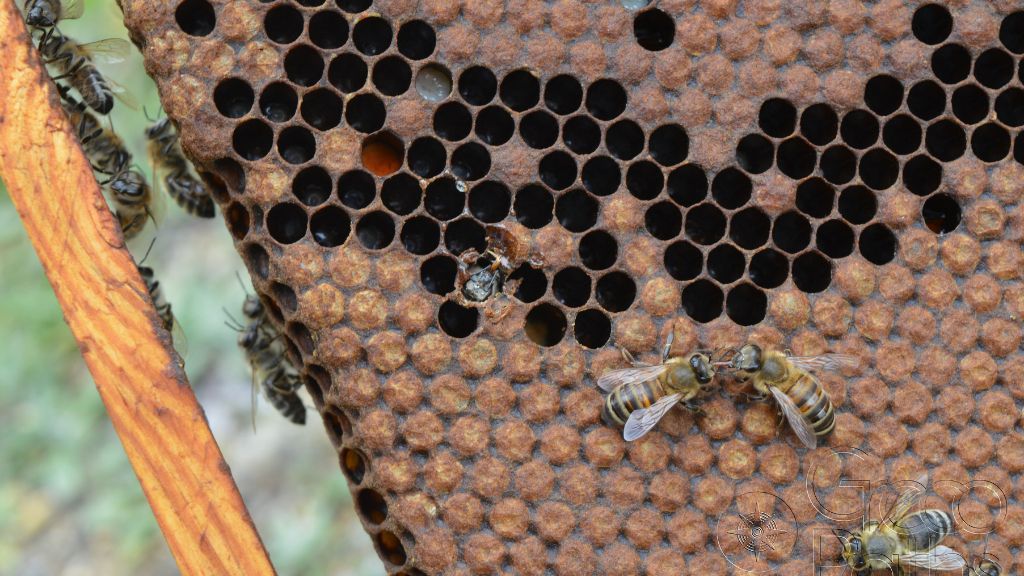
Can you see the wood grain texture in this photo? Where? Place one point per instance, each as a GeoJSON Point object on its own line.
{"type": "Point", "coordinates": [162, 427]}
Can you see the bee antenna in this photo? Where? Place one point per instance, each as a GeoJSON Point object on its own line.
{"type": "Point", "coordinates": [238, 276]}
{"type": "Point", "coordinates": [145, 112]}
{"type": "Point", "coordinates": [146, 255]}
{"type": "Point", "coordinates": [234, 324]}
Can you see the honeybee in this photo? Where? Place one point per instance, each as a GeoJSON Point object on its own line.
{"type": "Point", "coordinates": [76, 64]}
{"type": "Point", "coordinates": [986, 567]}
{"type": "Point", "coordinates": [47, 13]}
{"type": "Point", "coordinates": [162, 306]}
{"type": "Point", "coordinates": [131, 196]}
{"type": "Point", "coordinates": [640, 396]}
{"type": "Point", "coordinates": [482, 277]}
{"type": "Point", "coordinates": [804, 402]}
{"type": "Point", "coordinates": [901, 539]}
{"type": "Point", "coordinates": [182, 186]}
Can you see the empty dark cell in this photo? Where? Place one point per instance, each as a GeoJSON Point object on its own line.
{"type": "Point", "coordinates": [993, 68]}
{"type": "Point", "coordinates": [951, 63]}
{"type": "Point", "coordinates": [426, 156]}
{"type": "Point", "coordinates": [615, 292]}
{"type": "Point", "coordinates": [749, 228]}
{"type": "Point", "coordinates": [231, 174]}
{"type": "Point", "coordinates": [494, 125]}
{"type": "Point", "coordinates": [457, 321]}
{"type": "Point", "coordinates": [1018, 148]}
{"type": "Point", "coordinates": [401, 194]}
{"type": "Point", "coordinates": [375, 230]}
{"type": "Point", "coordinates": [946, 140]}
{"type": "Point", "coordinates": [471, 161]}
{"type": "Point", "coordinates": [726, 263]}
{"type": "Point", "coordinates": [598, 250]}
{"type": "Point", "coordinates": [624, 139]}
{"type": "Point", "coordinates": [687, 185]}
{"type": "Point", "coordinates": [576, 210]}
{"type": "Point", "coordinates": [815, 197]}
{"type": "Point", "coordinates": [606, 99]}
{"type": "Point", "coordinates": [283, 24]}
{"type": "Point", "coordinates": [571, 286]}
{"type": "Point", "coordinates": [312, 186]}
{"type": "Point", "coordinates": [592, 329]}
{"type": "Point", "coordinates": [438, 274]}
{"type": "Point", "coordinates": [835, 239]}
{"type": "Point", "coordinates": [452, 121]}
{"type": "Point", "coordinates": [365, 113]}
{"type": "Point", "coordinates": [879, 169]}
{"type": "Point", "coordinates": [563, 94]}
{"type": "Point", "coordinates": [932, 23]}
{"type": "Point", "coordinates": [416, 40]}
{"type": "Point", "coordinates": [477, 85]}
{"type": "Point", "coordinates": [520, 90]}
{"type": "Point", "coordinates": [812, 272]}
{"type": "Point", "coordinates": [819, 124]}
{"type": "Point", "coordinates": [532, 283]}
{"type": "Point", "coordinates": [970, 104]}
{"type": "Point", "coordinates": [663, 220]}
{"type": "Point", "coordinates": [490, 201]}
{"type": "Point", "coordinates": [581, 134]}
{"type": "Point", "coordinates": [534, 206]}
{"type": "Point", "coordinates": [746, 305]}
{"type": "Point", "coordinates": [310, 3]}
{"type": "Point", "coordinates": [303, 65]}
{"type": "Point", "coordinates": [702, 300]}
{"type": "Point", "coordinates": [296, 145]}
{"type": "Point", "coordinates": [683, 261]}
{"type": "Point", "coordinates": [796, 158]}
{"type": "Point", "coordinates": [731, 188]}
{"type": "Point", "coordinates": [857, 204]}
{"type": "Point", "coordinates": [926, 100]}
{"type": "Point", "coordinates": [443, 199]}
{"type": "Point", "coordinates": [328, 29]}
{"type": "Point", "coordinates": [669, 145]}
{"type": "Point", "coordinates": [391, 548]}
{"type": "Point", "coordinates": [354, 6]}
{"type": "Point", "coordinates": [791, 232]}
{"type": "Point", "coordinates": [777, 117]}
{"type": "Point", "coordinates": [392, 76]}
{"type": "Point", "coordinates": [557, 170]}
{"type": "Point", "coordinates": [769, 268]}
{"type": "Point", "coordinates": [421, 235]}
{"type": "Point", "coordinates": [902, 134]}
{"type": "Point", "coordinates": [195, 17]}
{"type": "Point", "coordinates": [463, 234]}
{"type": "Point", "coordinates": [286, 223]}
{"type": "Point", "coordinates": [878, 244]}
{"type": "Point", "coordinates": [237, 218]}
{"type": "Point", "coordinates": [1010, 107]}
{"type": "Point", "coordinates": [859, 129]}
{"type": "Point", "coordinates": [347, 73]}
{"type": "Point", "coordinates": [257, 259]}
{"type": "Point", "coordinates": [321, 109]}
{"type": "Point", "coordinates": [644, 180]}
{"type": "Point", "coordinates": [922, 175]}
{"type": "Point", "coordinates": [705, 224]}
{"type": "Point", "coordinates": [601, 175]}
{"type": "Point", "coordinates": [278, 102]}
{"type": "Point", "coordinates": [941, 213]}
{"type": "Point", "coordinates": [1011, 32]}
{"type": "Point", "coordinates": [990, 142]}
{"type": "Point", "coordinates": [883, 94]}
{"type": "Point", "coordinates": [356, 189]}
{"type": "Point", "coordinates": [545, 325]}
{"type": "Point", "coordinates": [538, 129]}
{"type": "Point", "coordinates": [353, 464]}
{"type": "Point", "coordinates": [654, 30]}
{"type": "Point", "coordinates": [233, 97]}
{"type": "Point", "coordinates": [330, 226]}
{"type": "Point", "coordinates": [372, 506]}
{"type": "Point", "coordinates": [382, 153]}
{"type": "Point", "coordinates": [372, 35]}
{"type": "Point", "coordinates": [755, 153]}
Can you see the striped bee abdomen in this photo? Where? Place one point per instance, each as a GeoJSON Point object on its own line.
{"type": "Point", "coordinates": [624, 400]}
{"type": "Point", "coordinates": [925, 529]}
{"type": "Point", "coordinates": [814, 404]}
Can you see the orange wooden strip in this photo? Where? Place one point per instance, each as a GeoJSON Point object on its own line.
{"type": "Point", "coordinates": [162, 427]}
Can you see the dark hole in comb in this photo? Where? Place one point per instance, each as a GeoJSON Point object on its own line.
{"type": "Point", "coordinates": [471, 161]}
{"type": "Point", "coordinates": [545, 325]}
{"type": "Point", "coordinates": [769, 268]}
{"type": "Point", "coordinates": [663, 220]}
{"type": "Point", "coordinates": [416, 40]}
{"type": "Point", "coordinates": [819, 124]}
{"type": "Point", "coordinates": [601, 175]}
{"type": "Point", "coordinates": [278, 102]}
{"type": "Point", "coordinates": [494, 125]}
{"type": "Point", "coordinates": [970, 104]}
{"type": "Point", "coordinates": [902, 134]}
{"type": "Point", "coordinates": [330, 226]}
{"type": "Point", "coordinates": [951, 63]}
{"type": "Point", "coordinates": [443, 199]}
{"type": "Point", "coordinates": [576, 210]}
{"type": "Point", "coordinates": [792, 232]}
{"type": "Point", "coordinates": [312, 186]}
{"type": "Point", "coordinates": [238, 220]}
{"type": "Point", "coordinates": [478, 85]}
{"type": "Point", "coordinates": [990, 142]}
{"type": "Point", "coordinates": [372, 506]}
{"type": "Point", "coordinates": [859, 129]}
{"type": "Point", "coordinates": [347, 73]}
{"type": "Point", "coordinates": [233, 97]}
{"type": "Point", "coordinates": [563, 94]}
{"type": "Point", "coordinates": [258, 260]}
{"type": "Point", "coordinates": [922, 175]}
{"type": "Point", "coordinates": [1010, 107]}
{"type": "Point", "coordinates": [354, 6]}
{"type": "Point", "coordinates": [372, 35]}
{"type": "Point", "coordinates": [834, 238]}
{"type": "Point", "coordinates": [857, 204]}
{"type": "Point", "coordinates": [815, 197]}
{"type": "Point", "coordinates": [490, 201]}
{"type": "Point", "coordinates": [687, 185]}
{"type": "Point", "coordinates": [926, 100]}
{"type": "Point", "coordinates": [438, 275]}
{"type": "Point", "coordinates": [426, 157]}
{"type": "Point", "coordinates": [731, 188]}
{"type": "Point", "coordinates": [883, 94]}
{"type": "Point", "coordinates": [353, 465]}
{"type": "Point", "coordinates": [838, 164]}
{"type": "Point", "coordinates": [592, 329]}
{"type": "Point", "coordinates": [606, 99]}
{"type": "Point", "coordinates": [654, 30]}
{"type": "Point", "coordinates": [401, 194]}
{"type": "Point", "coordinates": [726, 263]}
{"type": "Point", "coordinates": [365, 113]}
{"type": "Point", "coordinates": [286, 223]}
{"type": "Point", "coordinates": [420, 235]}
{"type": "Point", "coordinates": [946, 140]}
{"type": "Point", "coordinates": [463, 234]}
{"type": "Point", "coordinates": [812, 272]}
{"type": "Point", "coordinates": [571, 286]}
{"type": "Point", "coordinates": [932, 23]}
{"type": "Point", "coordinates": [252, 139]}
{"type": "Point", "coordinates": [581, 134]}
{"type": "Point", "coordinates": [375, 230]}
{"type": "Point", "coordinates": [777, 117]}
{"type": "Point", "coordinates": [1011, 32]}
{"type": "Point", "coordinates": [557, 170]}
{"type": "Point", "coordinates": [283, 24]}
{"type": "Point", "coordinates": [796, 158]}
{"type": "Point", "coordinates": [749, 228]}
{"type": "Point", "coordinates": [644, 180]}
{"type": "Point", "coordinates": [321, 109]}
{"type": "Point", "coordinates": [993, 68]}
{"type": "Point", "coordinates": [452, 121]}
{"type": "Point", "coordinates": [615, 291]}
{"type": "Point", "coordinates": [669, 145]}
{"type": "Point", "coordinates": [538, 129]}
{"type": "Point", "coordinates": [755, 153]}
{"type": "Point", "coordinates": [532, 283]}
{"type": "Point", "coordinates": [296, 145]}
{"type": "Point", "coordinates": [534, 206]}
{"type": "Point", "coordinates": [392, 76]}
{"type": "Point", "coordinates": [328, 29]}
{"type": "Point", "coordinates": [624, 139]}
{"type": "Point", "coordinates": [598, 250]}
{"type": "Point", "coordinates": [705, 224]}
{"type": "Point", "coordinates": [683, 261]}
{"type": "Point", "coordinates": [746, 305]}
{"type": "Point", "coordinates": [520, 90]}
{"type": "Point", "coordinates": [303, 65]}
{"type": "Point", "coordinates": [941, 213]}
{"type": "Point", "coordinates": [878, 244]}
{"type": "Point", "coordinates": [702, 300]}
{"type": "Point", "coordinates": [195, 17]}
{"type": "Point", "coordinates": [879, 169]}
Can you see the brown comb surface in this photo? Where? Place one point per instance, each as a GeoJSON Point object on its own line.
{"type": "Point", "coordinates": [813, 176]}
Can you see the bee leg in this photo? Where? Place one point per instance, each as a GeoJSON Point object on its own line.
{"type": "Point", "coordinates": [668, 344]}
{"type": "Point", "coordinates": [692, 407]}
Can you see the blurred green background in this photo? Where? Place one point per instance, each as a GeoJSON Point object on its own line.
{"type": "Point", "coordinates": [69, 501]}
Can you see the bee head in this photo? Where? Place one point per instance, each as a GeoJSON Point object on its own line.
{"type": "Point", "coordinates": [748, 359]}
{"type": "Point", "coordinates": [702, 367]}
{"type": "Point", "coordinates": [247, 338]}
{"type": "Point", "coordinates": [853, 549]}
{"type": "Point", "coordinates": [252, 308]}
{"type": "Point", "coordinates": [988, 568]}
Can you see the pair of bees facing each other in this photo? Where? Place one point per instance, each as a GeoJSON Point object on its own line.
{"type": "Point", "coordinates": [638, 397]}
{"type": "Point", "coordinates": [901, 539]}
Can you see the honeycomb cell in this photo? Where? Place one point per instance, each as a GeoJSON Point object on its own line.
{"type": "Point", "coordinates": [946, 140]}
{"type": "Point", "coordinates": [328, 29]}
{"type": "Point", "coordinates": [951, 63]}
{"type": "Point", "coordinates": [365, 113]}
{"type": "Point", "coordinates": [278, 102]}
{"type": "Point", "coordinates": [195, 17]}
{"type": "Point", "coordinates": [769, 268]}
{"type": "Point", "coordinates": [668, 144]}
{"type": "Point", "coordinates": [746, 305]}
{"type": "Point", "coordinates": [731, 188]}
{"type": "Point", "coordinates": [683, 261]}
{"type": "Point", "coordinates": [990, 142]}
{"type": "Point", "coordinates": [941, 213]}
{"type": "Point", "coordinates": [601, 175]}
{"type": "Point", "coordinates": [1011, 32]}
{"type": "Point", "coordinates": [330, 226]}
{"type": "Point", "coordinates": [416, 40]}
{"type": "Point", "coordinates": [252, 139]}
{"type": "Point", "coordinates": [433, 82]}
{"type": "Point", "coordinates": [538, 129]}
{"type": "Point", "coordinates": [812, 272]}
{"type": "Point", "coordinates": [922, 175]}
{"type": "Point", "coordinates": [687, 185]}
{"type": "Point", "coordinates": [470, 161]}
{"type": "Point", "coordinates": [321, 109]}
{"type": "Point", "coordinates": [283, 24]}
{"type": "Point", "coordinates": [878, 244]}
{"type": "Point", "coordinates": [970, 104]}
{"type": "Point", "coordinates": [532, 283]}
{"type": "Point", "coordinates": [452, 121]}
{"type": "Point", "coordinates": [654, 30]}
{"type": "Point", "coordinates": [375, 230]}
{"type": "Point", "coordinates": [563, 94]}
{"type": "Point", "coordinates": [257, 259]}
{"type": "Point", "coordinates": [883, 94]}
{"type": "Point", "coordinates": [571, 286]}
{"type": "Point", "coordinates": [835, 239]}
{"type": "Point", "coordinates": [520, 90]}
{"type": "Point", "coordinates": [598, 250]}
{"type": "Point", "coordinates": [576, 210]}
{"type": "Point", "coordinates": [606, 99]}
{"type": "Point", "coordinates": [926, 100]}
{"type": "Point", "coordinates": [663, 221]}
{"type": "Point", "coordinates": [534, 206]}
{"type": "Point", "coordinates": [755, 153]}
{"type": "Point", "coordinates": [879, 169]}
{"type": "Point", "coordinates": [993, 68]}
{"type": "Point", "coordinates": [372, 35]}
{"type": "Point", "coordinates": [857, 204]}
{"type": "Point", "coordinates": [644, 180]}
{"type": "Point", "coordinates": [347, 73]}
{"type": "Point", "coordinates": [624, 139]}
{"type": "Point", "coordinates": [478, 85]}
{"type": "Point", "coordinates": [353, 6]}
{"type": "Point", "coordinates": [233, 97]}
{"type": "Point", "coordinates": [490, 201]}
{"type": "Point", "coordinates": [312, 186]}
{"type": "Point", "coordinates": [1009, 107]}
{"type": "Point", "coordinates": [303, 65]}
{"type": "Point", "coordinates": [392, 77]}
{"type": "Point", "coordinates": [726, 264]}
{"type": "Point", "coordinates": [932, 23]}
{"type": "Point", "coordinates": [749, 228]}
{"type": "Point", "coordinates": [859, 129]}
{"type": "Point", "coordinates": [438, 275]}
{"type": "Point", "coordinates": [401, 194]}
{"type": "Point", "coordinates": [495, 126]}
{"type": "Point", "coordinates": [791, 232]}
{"type": "Point", "coordinates": [705, 224]}
{"type": "Point", "coordinates": [819, 124]}
{"type": "Point", "coordinates": [457, 321]}
{"type": "Point", "coordinates": [356, 189]}
{"type": "Point", "coordinates": [237, 218]}
{"type": "Point", "coordinates": [902, 134]}
{"type": "Point", "coordinates": [286, 223]}
{"type": "Point", "coordinates": [557, 170]}
{"type": "Point", "coordinates": [465, 233]}
{"type": "Point", "coordinates": [703, 300]}
{"type": "Point", "coordinates": [545, 325]}
{"type": "Point", "coordinates": [777, 117]}
{"type": "Point", "coordinates": [815, 198]}
{"type": "Point", "coordinates": [420, 235]}
{"type": "Point", "coordinates": [426, 157]}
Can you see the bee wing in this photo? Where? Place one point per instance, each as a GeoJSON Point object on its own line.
{"type": "Point", "coordinates": [641, 421]}
{"type": "Point", "coordinates": [613, 379]}
{"type": "Point", "coordinates": [107, 51]}
{"type": "Point", "coordinates": [938, 558]}
{"type": "Point", "coordinates": [831, 362]}
{"type": "Point", "coordinates": [179, 340]}
{"type": "Point", "coordinates": [122, 94]}
{"type": "Point", "coordinates": [906, 501]}
{"type": "Point", "coordinates": [71, 9]}
{"type": "Point", "coordinates": [796, 420]}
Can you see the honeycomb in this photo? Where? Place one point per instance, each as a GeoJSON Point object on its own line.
{"type": "Point", "coordinates": [813, 176]}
